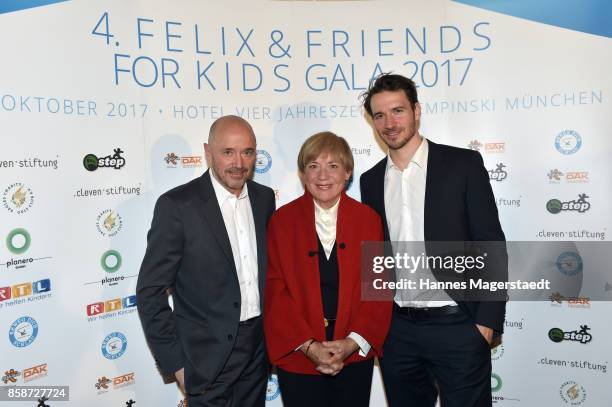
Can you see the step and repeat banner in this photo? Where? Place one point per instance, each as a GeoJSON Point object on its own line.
{"type": "Point", "coordinates": [106, 104]}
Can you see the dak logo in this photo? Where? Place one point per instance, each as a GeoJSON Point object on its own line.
{"type": "Point", "coordinates": [23, 331]}
{"type": "Point", "coordinates": [474, 145]}
{"type": "Point", "coordinates": [114, 345]}
{"type": "Point", "coordinates": [263, 162]}
{"type": "Point", "coordinates": [91, 162]}
{"type": "Point", "coordinates": [171, 160]}
{"type": "Point", "coordinates": [498, 174]}
{"type": "Point", "coordinates": [17, 198]}
{"type": "Point", "coordinates": [572, 393]}
{"type": "Point", "coordinates": [568, 142]}
{"type": "Point", "coordinates": [580, 205]}
{"type": "Point", "coordinates": [103, 383]}
{"type": "Point", "coordinates": [109, 223]}
{"type": "Point", "coordinates": [11, 376]}
{"type": "Point", "coordinates": [583, 336]}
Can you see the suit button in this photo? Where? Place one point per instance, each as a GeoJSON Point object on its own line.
{"type": "Point", "coordinates": [236, 305]}
{"type": "Point", "coordinates": [230, 337]}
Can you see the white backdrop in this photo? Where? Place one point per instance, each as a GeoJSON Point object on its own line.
{"type": "Point", "coordinates": [81, 78]}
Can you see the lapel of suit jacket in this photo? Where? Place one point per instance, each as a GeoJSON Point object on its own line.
{"type": "Point", "coordinates": [259, 218]}
{"type": "Point", "coordinates": [212, 214]}
{"type": "Point", "coordinates": [378, 193]}
{"type": "Point", "coordinates": [435, 167]}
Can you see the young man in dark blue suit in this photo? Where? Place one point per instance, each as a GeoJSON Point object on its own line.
{"type": "Point", "coordinates": [428, 192]}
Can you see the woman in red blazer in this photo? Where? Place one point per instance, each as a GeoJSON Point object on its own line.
{"type": "Point", "coordinates": [319, 332]}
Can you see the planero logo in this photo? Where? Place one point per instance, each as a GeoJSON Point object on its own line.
{"type": "Point", "coordinates": [568, 142]}
{"type": "Point", "coordinates": [498, 174]}
{"type": "Point", "coordinates": [580, 205]}
{"type": "Point", "coordinates": [111, 261]}
{"type": "Point", "coordinates": [109, 223]}
{"type": "Point", "coordinates": [114, 345]}
{"type": "Point", "coordinates": [496, 383]}
{"type": "Point", "coordinates": [582, 336]}
{"type": "Point", "coordinates": [263, 162]}
{"type": "Point", "coordinates": [23, 331]}
{"type": "Point", "coordinates": [91, 162]}
{"type": "Point", "coordinates": [18, 241]}
{"type": "Point", "coordinates": [17, 198]}
{"type": "Point", "coordinates": [572, 393]}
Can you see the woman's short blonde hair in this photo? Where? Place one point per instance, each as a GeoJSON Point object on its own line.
{"type": "Point", "coordinates": [325, 142]}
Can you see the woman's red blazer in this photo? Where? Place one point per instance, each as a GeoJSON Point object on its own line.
{"type": "Point", "coordinates": [293, 310]}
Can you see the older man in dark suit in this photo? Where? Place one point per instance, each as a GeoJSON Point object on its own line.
{"type": "Point", "coordinates": [428, 192]}
{"type": "Point", "coordinates": [207, 245]}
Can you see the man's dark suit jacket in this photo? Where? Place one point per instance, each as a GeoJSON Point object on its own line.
{"type": "Point", "coordinates": [459, 206]}
{"type": "Point", "coordinates": [189, 251]}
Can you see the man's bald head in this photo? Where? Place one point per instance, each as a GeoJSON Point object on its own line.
{"type": "Point", "coordinates": [227, 124]}
{"type": "Point", "coordinates": [231, 152]}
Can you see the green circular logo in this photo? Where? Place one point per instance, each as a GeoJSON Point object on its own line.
{"type": "Point", "coordinates": [18, 241]}
{"type": "Point", "coordinates": [111, 261]}
{"type": "Point", "coordinates": [90, 162]}
{"type": "Point", "coordinates": [555, 335]}
{"type": "Point", "coordinates": [496, 383]}
{"type": "Point", "coordinates": [553, 206]}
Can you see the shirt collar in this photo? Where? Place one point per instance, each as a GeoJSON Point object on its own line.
{"type": "Point", "coordinates": [223, 194]}
{"type": "Point", "coordinates": [331, 212]}
{"type": "Point", "coordinates": [419, 158]}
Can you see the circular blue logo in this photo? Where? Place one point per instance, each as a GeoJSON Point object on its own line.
{"type": "Point", "coordinates": [569, 263]}
{"type": "Point", "coordinates": [23, 331]}
{"type": "Point", "coordinates": [273, 390]}
{"type": "Point", "coordinates": [114, 345]}
{"type": "Point", "coordinates": [568, 142]}
{"type": "Point", "coordinates": [263, 162]}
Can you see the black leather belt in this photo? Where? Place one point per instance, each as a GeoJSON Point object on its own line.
{"type": "Point", "coordinates": [249, 321]}
{"type": "Point", "coordinates": [426, 313]}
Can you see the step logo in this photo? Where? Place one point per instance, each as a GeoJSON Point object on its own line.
{"type": "Point", "coordinates": [91, 162]}
{"type": "Point", "coordinates": [581, 336]}
{"type": "Point", "coordinates": [580, 205]}
{"type": "Point", "coordinates": [498, 173]}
